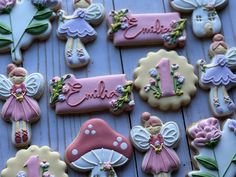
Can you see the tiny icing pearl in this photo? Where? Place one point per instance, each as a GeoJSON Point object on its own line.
{"type": "Point", "coordinates": [74, 152]}
{"type": "Point", "coordinates": [87, 132]}
{"type": "Point", "coordinates": [93, 132]}
{"type": "Point", "coordinates": [90, 126]}
{"type": "Point", "coordinates": [115, 143]}
{"type": "Point", "coordinates": [123, 146]}
{"type": "Point", "coordinates": [119, 139]}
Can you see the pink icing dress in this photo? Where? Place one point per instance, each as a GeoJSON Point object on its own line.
{"type": "Point", "coordinates": [163, 161]}
{"type": "Point", "coordinates": [20, 107]}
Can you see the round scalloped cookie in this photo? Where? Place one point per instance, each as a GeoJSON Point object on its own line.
{"type": "Point", "coordinates": [35, 162]}
{"type": "Point", "coordinates": [165, 80]}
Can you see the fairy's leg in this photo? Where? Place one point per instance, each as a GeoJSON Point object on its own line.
{"type": "Point", "coordinates": [69, 47]}
{"type": "Point", "coordinates": [25, 133]}
{"type": "Point", "coordinates": [82, 53]}
{"type": "Point", "coordinates": [230, 104]}
{"type": "Point", "coordinates": [16, 134]}
{"type": "Point", "coordinates": [216, 100]}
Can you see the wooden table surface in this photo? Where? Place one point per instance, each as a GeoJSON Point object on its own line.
{"type": "Point", "coordinates": [48, 59]}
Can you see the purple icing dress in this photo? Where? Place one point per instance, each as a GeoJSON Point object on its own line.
{"type": "Point", "coordinates": [163, 162]}
{"type": "Point", "coordinates": [77, 27]}
{"type": "Point", "coordinates": [219, 74]}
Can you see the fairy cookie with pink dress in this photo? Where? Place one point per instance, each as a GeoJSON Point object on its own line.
{"type": "Point", "coordinates": [20, 91]}
{"type": "Point", "coordinates": [218, 76]}
{"type": "Point", "coordinates": [76, 29]}
{"type": "Point", "coordinates": [157, 140]}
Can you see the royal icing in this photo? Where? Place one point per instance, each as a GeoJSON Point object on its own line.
{"type": "Point", "coordinates": [18, 30]}
{"type": "Point", "coordinates": [205, 20]}
{"type": "Point", "coordinates": [165, 80]}
{"type": "Point", "coordinates": [77, 30]}
{"type": "Point", "coordinates": [218, 76]}
{"type": "Point", "coordinates": [127, 29]}
{"type": "Point", "coordinates": [157, 140]}
{"type": "Point", "coordinates": [102, 151]}
{"type": "Point", "coordinates": [216, 148]}
{"type": "Point", "coordinates": [20, 91]}
{"type": "Point", "coordinates": [35, 162]}
{"type": "Point", "coordinates": [71, 95]}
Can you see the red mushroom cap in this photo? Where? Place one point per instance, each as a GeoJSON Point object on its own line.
{"type": "Point", "coordinates": [97, 134]}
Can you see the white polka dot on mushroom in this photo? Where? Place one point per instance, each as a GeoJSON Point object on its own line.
{"type": "Point", "coordinates": [90, 126]}
{"type": "Point", "coordinates": [119, 139]}
{"type": "Point", "coordinates": [93, 132]}
{"type": "Point", "coordinates": [123, 146]}
{"type": "Point", "coordinates": [115, 143]}
{"type": "Point", "coordinates": [87, 132]}
{"type": "Point", "coordinates": [74, 152]}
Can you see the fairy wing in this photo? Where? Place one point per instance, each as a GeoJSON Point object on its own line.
{"type": "Point", "coordinates": [5, 87]}
{"type": "Point", "coordinates": [170, 133]}
{"type": "Point", "coordinates": [34, 85]}
{"type": "Point", "coordinates": [140, 138]}
{"type": "Point", "coordinates": [231, 57]}
{"type": "Point", "coordinates": [95, 13]}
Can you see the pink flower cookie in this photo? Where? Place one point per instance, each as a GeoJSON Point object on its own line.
{"type": "Point", "coordinates": [35, 162]}
{"type": "Point", "coordinates": [157, 140]}
{"type": "Point", "coordinates": [216, 154]}
{"type": "Point", "coordinates": [20, 91]}
{"type": "Point", "coordinates": [127, 29]}
{"type": "Point", "coordinates": [98, 148]}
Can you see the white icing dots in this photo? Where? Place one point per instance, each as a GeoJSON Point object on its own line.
{"type": "Point", "coordinates": [123, 146]}
{"type": "Point", "coordinates": [115, 143]}
{"type": "Point", "coordinates": [93, 132]}
{"type": "Point", "coordinates": [87, 132]}
{"type": "Point", "coordinates": [119, 139]}
{"type": "Point", "coordinates": [90, 126]}
{"type": "Point", "coordinates": [74, 152]}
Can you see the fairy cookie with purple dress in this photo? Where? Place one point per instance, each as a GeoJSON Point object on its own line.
{"type": "Point", "coordinates": [157, 140]}
{"type": "Point", "coordinates": [218, 76]}
{"type": "Point", "coordinates": [77, 30]}
{"type": "Point", "coordinates": [20, 91]}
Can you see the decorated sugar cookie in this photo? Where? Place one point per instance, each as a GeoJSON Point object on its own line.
{"type": "Point", "coordinates": [18, 29]}
{"type": "Point", "coordinates": [205, 20]}
{"type": "Point", "coordinates": [35, 162]}
{"type": "Point", "coordinates": [20, 91]}
{"type": "Point", "coordinates": [128, 29]}
{"type": "Point", "coordinates": [99, 149]}
{"type": "Point", "coordinates": [165, 80]}
{"type": "Point", "coordinates": [216, 153]}
{"type": "Point", "coordinates": [218, 76]}
{"type": "Point", "coordinates": [75, 96]}
{"type": "Point", "coordinates": [157, 140]}
{"type": "Point", "coordinates": [76, 29]}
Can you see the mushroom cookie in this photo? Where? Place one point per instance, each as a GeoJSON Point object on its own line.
{"type": "Point", "coordinates": [18, 30]}
{"type": "Point", "coordinates": [218, 76]}
{"type": "Point", "coordinates": [77, 30]}
{"type": "Point", "coordinates": [157, 139]}
{"type": "Point", "coordinates": [165, 80]}
{"type": "Point", "coordinates": [98, 148]}
{"type": "Point", "coordinates": [20, 91]}
{"type": "Point", "coordinates": [205, 20]}
{"type": "Point", "coordinates": [35, 162]}
{"type": "Point", "coordinates": [216, 153]}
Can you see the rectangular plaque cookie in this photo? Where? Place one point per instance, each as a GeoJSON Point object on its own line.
{"type": "Point", "coordinates": [70, 95]}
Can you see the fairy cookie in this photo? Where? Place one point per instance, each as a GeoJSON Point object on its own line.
{"type": "Point", "coordinates": [18, 30]}
{"type": "Point", "coordinates": [128, 29]}
{"type": "Point", "coordinates": [218, 76]}
{"type": "Point", "coordinates": [165, 80]}
{"type": "Point", "coordinates": [157, 140]}
{"type": "Point", "coordinates": [104, 149]}
{"type": "Point", "coordinates": [20, 91]}
{"type": "Point", "coordinates": [216, 153]}
{"type": "Point", "coordinates": [35, 162]}
{"type": "Point", "coordinates": [75, 96]}
{"type": "Point", "coordinates": [205, 20]}
{"type": "Point", "coordinates": [76, 29]}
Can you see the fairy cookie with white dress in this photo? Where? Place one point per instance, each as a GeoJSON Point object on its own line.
{"type": "Point", "coordinates": [157, 140]}
{"type": "Point", "coordinates": [218, 76]}
{"type": "Point", "coordinates": [76, 29]}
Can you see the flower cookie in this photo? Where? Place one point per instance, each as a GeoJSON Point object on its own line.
{"type": "Point", "coordinates": [35, 162]}
{"type": "Point", "coordinates": [20, 91]}
{"type": "Point", "coordinates": [218, 76]}
{"type": "Point", "coordinates": [165, 80]}
{"type": "Point", "coordinates": [157, 140]}
{"type": "Point", "coordinates": [18, 30]}
{"type": "Point", "coordinates": [98, 148]}
{"type": "Point", "coordinates": [216, 153]}
{"type": "Point", "coordinates": [127, 29]}
{"type": "Point", "coordinates": [205, 20]}
{"type": "Point", "coordinates": [75, 96]}
{"type": "Point", "coordinates": [77, 30]}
